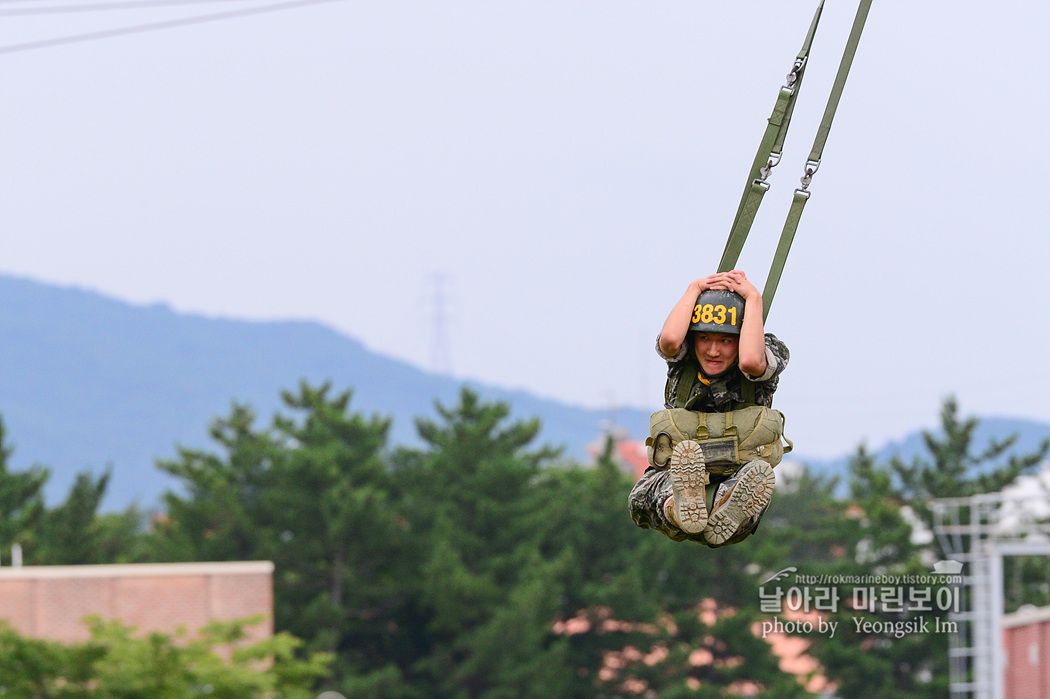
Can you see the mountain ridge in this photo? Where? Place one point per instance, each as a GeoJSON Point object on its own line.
{"type": "Point", "coordinates": [105, 383]}
{"type": "Point", "coordinates": [95, 383]}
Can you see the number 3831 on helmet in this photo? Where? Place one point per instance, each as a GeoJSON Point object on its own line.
{"type": "Point", "coordinates": [718, 311]}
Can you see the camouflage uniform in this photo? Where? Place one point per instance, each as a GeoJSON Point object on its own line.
{"type": "Point", "coordinates": [716, 395]}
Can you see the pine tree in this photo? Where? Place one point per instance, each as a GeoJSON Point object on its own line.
{"type": "Point", "coordinates": [310, 493]}
{"type": "Point", "coordinates": [467, 501]}
{"type": "Point", "coordinates": [866, 661]}
{"type": "Point", "coordinates": [330, 529]}
{"type": "Point", "coordinates": [869, 663]}
{"type": "Point", "coordinates": [76, 533]}
{"type": "Point", "coordinates": [954, 470]}
{"type": "Point", "coordinates": [216, 515]}
{"type": "Point", "coordinates": [21, 498]}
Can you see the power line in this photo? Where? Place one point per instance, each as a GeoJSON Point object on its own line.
{"type": "Point", "coordinates": [154, 26]}
{"type": "Point", "coordinates": [95, 7]}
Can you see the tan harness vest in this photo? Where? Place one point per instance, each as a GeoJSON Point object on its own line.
{"type": "Point", "coordinates": [727, 440]}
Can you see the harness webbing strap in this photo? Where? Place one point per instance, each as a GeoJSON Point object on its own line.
{"type": "Point", "coordinates": [742, 226]}
{"type": "Point", "coordinates": [769, 151]}
{"type": "Point", "coordinates": [840, 80]}
{"type": "Point", "coordinates": [798, 71]}
{"type": "Point", "coordinates": [689, 379]}
{"type": "Point", "coordinates": [798, 202]}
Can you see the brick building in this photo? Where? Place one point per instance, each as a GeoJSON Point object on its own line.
{"type": "Point", "coordinates": [51, 601]}
{"type": "Point", "coordinates": [1026, 639]}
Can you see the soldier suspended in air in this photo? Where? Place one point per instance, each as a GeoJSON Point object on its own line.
{"type": "Point", "coordinates": [713, 448]}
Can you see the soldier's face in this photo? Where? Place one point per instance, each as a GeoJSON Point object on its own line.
{"type": "Point", "coordinates": [716, 351]}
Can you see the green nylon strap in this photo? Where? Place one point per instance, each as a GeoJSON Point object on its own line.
{"type": "Point", "coordinates": [748, 388]}
{"type": "Point", "coordinates": [738, 233]}
{"type": "Point", "coordinates": [689, 379]}
{"type": "Point", "coordinates": [798, 202]}
{"type": "Point", "coordinates": [746, 217]}
{"type": "Point", "coordinates": [840, 80]}
{"type": "Point", "coordinates": [686, 383]}
{"type": "Point", "coordinates": [769, 151]}
{"type": "Point", "coordinates": [799, 71]}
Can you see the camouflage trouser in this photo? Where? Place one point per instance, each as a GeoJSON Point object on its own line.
{"type": "Point", "coordinates": [647, 500]}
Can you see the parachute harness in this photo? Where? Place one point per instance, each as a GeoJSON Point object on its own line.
{"type": "Point", "coordinates": [769, 154]}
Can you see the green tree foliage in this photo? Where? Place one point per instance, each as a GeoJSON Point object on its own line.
{"type": "Point", "coordinates": [1026, 581]}
{"type": "Point", "coordinates": [481, 566]}
{"type": "Point", "coordinates": [217, 516]}
{"type": "Point", "coordinates": [882, 537]}
{"type": "Point", "coordinates": [76, 533]}
{"type": "Point", "coordinates": [21, 498]}
{"type": "Point", "coordinates": [309, 493]}
{"type": "Point", "coordinates": [807, 521]}
{"type": "Point", "coordinates": [875, 663]}
{"type": "Point", "coordinates": [468, 502]}
{"type": "Point", "coordinates": [474, 567]}
{"type": "Point", "coordinates": [116, 663]}
{"type": "Point", "coordinates": [868, 661]}
{"type": "Point", "coordinates": [330, 528]}
{"type": "Point", "coordinates": [72, 532]}
{"type": "Point", "coordinates": [954, 469]}
{"type": "Point", "coordinates": [548, 587]}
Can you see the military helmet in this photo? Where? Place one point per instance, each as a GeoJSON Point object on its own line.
{"type": "Point", "coordinates": [718, 311]}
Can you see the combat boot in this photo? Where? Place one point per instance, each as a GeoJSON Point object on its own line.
{"type": "Point", "coordinates": [688, 481]}
{"type": "Point", "coordinates": [738, 500]}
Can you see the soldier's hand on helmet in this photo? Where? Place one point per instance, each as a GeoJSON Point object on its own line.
{"type": "Point", "coordinates": [704, 283]}
{"type": "Point", "coordinates": [737, 281]}
{"type": "Point", "coordinates": [720, 281]}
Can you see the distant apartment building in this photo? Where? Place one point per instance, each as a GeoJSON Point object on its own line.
{"type": "Point", "coordinates": [51, 601]}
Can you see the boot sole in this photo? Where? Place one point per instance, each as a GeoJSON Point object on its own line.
{"type": "Point", "coordinates": [749, 496]}
{"type": "Point", "coordinates": [687, 481]}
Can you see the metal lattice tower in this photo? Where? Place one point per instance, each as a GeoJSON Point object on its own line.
{"type": "Point", "coordinates": [979, 531]}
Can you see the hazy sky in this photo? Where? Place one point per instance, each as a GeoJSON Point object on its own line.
{"type": "Point", "coordinates": [567, 168]}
